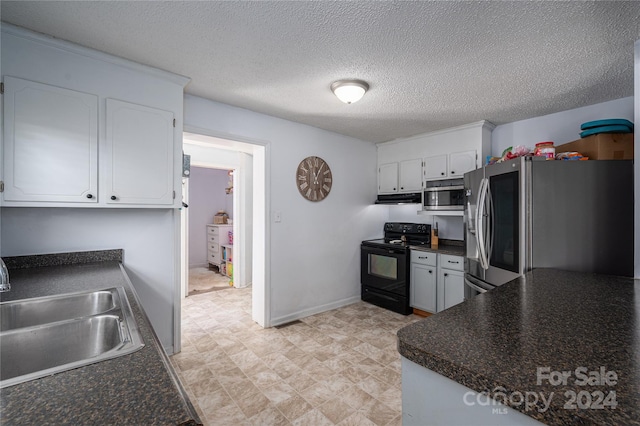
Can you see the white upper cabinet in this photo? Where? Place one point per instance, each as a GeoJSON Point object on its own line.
{"type": "Point", "coordinates": [50, 143]}
{"type": "Point", "coordinates": [435, 167]}
{"type": "Point", "coordinates": [411, 175]}
{"type": "Point", "coordinates": [139, 153]}
{"type": "Point", "coordinates": [446, 154]}
{"type": "Point", "coordinates": [461, 163]}
{"type": "Point", "coordinates": [81, 126]}
{"type": "Point", "coordinates": [405, 176]}
{"type": "Point", "coordinates": [388, 178]}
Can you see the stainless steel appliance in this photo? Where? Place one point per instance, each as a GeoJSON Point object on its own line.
{"type": "Point", "coordinates": [529, 213]}
{"type": "Point", "coordinates": [406, 198]}
{"type": "Point", "coordinates": [443, 195]}
{"type": "Point", "coordinates": [384, 265]}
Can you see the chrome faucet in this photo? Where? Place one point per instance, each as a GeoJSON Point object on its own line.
{"type": "Point", "coordinates": [4, 277]}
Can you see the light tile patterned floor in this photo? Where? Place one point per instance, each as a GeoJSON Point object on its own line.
{"type": "Point", "coordinates": [336, 368]}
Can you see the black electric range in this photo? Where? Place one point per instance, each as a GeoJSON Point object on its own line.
{"type": "Point", "coordinates": [384, 266]}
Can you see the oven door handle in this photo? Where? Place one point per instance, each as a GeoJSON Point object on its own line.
{"type": "Point", "coordinates": [382, 250]}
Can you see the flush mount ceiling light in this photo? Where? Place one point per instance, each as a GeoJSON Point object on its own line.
{"type": "Point", "coordinates": [349, 91]}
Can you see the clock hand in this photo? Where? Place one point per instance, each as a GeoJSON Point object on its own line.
{"type": "Point", "coordinates": [318, 174]}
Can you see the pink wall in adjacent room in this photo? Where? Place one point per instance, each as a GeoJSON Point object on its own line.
{"type": "Point", "coordinates": [206, 197]}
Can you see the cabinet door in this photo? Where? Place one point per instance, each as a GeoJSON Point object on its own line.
{"type": "Point", "coordinates": [411, 175]}
{"type": "Point", "coordinates": [388, 178]}
{"type": "Point", "coordinates": [435, 167]}
{"type": "Point", "coordinates": [423, 287]}
{"type": "Point", "coordinates": [50, 143]}
{"type": "Point", "coordinates": [461, 163]}
{"type": "Point", "coordinates": [139, 152]}
{"type": "Point", "coordinates": [450, 288]}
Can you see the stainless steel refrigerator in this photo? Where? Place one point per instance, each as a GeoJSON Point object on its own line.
{"type": "Point", "coordinates": [530, 213]}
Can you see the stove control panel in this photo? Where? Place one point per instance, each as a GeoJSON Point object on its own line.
{"type": "Point", "coordinates": [407, 228]}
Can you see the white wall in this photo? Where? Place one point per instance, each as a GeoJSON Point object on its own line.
{"type": "Point", "coordinates": [206, 197]}
{"type": "Point", "coordinates": [314, 253]}
{"type": "Point", "coordinates": [561, 127]}
{"type": "Point", "coordinates": [449, 227]}
{"type": "Point", "coordinates": [146, 235]}
{"type": "Point", "coordinates": [148, 247]}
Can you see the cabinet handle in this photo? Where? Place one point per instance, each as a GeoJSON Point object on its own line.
{"type": "Point", "coordinates": [89, 196]}
{"type": "Point", "coordinates": [113, 197]}
{"type": "Point", "coordinates": [394, 189]}
{"type": "Point", "coordinates": [450, 261]}
{"type": "Point", "coordinates": [442, 173]}
{"type": "Point", "coordinates": [402, 187]}
{"type": "Point", "coordinates": [423, 257]}
{"type": "Point", "coordinates": [452, 172]}
{"type": "Point", "coordinates": [446, 275]}
{"type": "Point", "coordinates": [430, 271]}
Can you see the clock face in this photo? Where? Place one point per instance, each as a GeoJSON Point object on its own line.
{"type": "Point", "coordinates": [314, 179]}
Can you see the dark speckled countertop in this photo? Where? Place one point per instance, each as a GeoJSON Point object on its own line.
{"type": "Point", "coordinates": [139, 388]}
{"type": "Point", "coordinates": [452, 247]}
{"type": "Point", "coordinates": [549, 318]}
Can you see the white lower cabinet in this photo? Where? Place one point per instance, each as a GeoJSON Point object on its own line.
{"type": "Point", "coordinates": [423, 281]}
{"type": "Point", "coordinates": [437, 281]}
{"type": "Point", "coordinates": [450, 281]}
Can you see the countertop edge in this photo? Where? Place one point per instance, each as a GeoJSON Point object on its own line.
{"type": "Point", "coordinates": [51, 391]}
{"type": "Point", "coordinates": [163, 355]}
{"type": "Point", "coordinates": [480, 381]}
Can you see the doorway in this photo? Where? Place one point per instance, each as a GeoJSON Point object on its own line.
{"type": "Point", "coordinates": [209, 232]}
{"type": "Point", "coordinates": [249, 162]}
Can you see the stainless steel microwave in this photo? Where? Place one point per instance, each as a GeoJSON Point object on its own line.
{"type": "Point", "coordinates": [443, 195]}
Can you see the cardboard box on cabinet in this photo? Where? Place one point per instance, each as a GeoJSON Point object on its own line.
{"type": "Point", "coordinates": [603, 146]}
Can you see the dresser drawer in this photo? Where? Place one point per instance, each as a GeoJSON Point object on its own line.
{"type": "Point", "coordinates": [213, 248]}
{"type": "Point", "coordinates": [448, 261]}
{"type": "Point", "coordinates": [212, 230]}
{"type": "Point", "coordinates": [213, 239]}
{"type": "Point", "coordinates": [213, 258]}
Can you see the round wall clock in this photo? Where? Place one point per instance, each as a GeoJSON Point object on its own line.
{"type": "Point", "coordinates": [314, 179]}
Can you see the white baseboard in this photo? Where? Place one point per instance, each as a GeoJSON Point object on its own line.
{"type": "Point", "coordinates": [315, 310]}
{"type": "Point", "coordinates": [198, 265]}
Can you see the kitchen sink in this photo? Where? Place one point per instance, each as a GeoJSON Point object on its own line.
{"type": "Point", "coordinates": [43, 310]}
{"type": "Point", "coordinates": [48, 335]}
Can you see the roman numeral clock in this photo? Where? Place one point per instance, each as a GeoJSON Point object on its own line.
{"type": "Point", "coordinates": [313, 178]}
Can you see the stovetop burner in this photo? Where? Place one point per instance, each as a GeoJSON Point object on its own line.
{"type": "Point", "coordinates": [402, 235]}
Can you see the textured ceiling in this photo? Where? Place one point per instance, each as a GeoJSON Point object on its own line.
{"type": "Point", "coordinates": [430, 65]}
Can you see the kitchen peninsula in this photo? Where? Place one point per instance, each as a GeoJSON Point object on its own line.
{"type": "Point", "coordinates": [138, 388]}
{"type": "Point", "coordinates": [561, 347]}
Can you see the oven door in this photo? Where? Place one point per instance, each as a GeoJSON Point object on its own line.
{"type": "Point", "coordinates": [384, 269]}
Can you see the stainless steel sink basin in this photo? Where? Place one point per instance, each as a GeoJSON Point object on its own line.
{"type": "Point", "coordinates": [48, 335]}
{"type": "Point", "coordinates": [44, 310]}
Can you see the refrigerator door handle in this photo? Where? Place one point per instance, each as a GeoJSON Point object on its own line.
{"type": "Point", "coordinates": [474, 286]}
{"type": "Point", "coordinates": [480, 212]}
{"type": "Point", "coordinates": [490, 221]}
